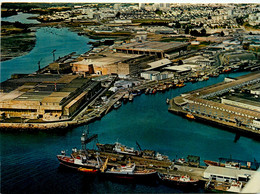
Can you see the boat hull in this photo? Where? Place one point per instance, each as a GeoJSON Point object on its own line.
{"type": "Point", "coordinates": [132, 176]}
{"type": "Point", "coordinates": [69, 162]}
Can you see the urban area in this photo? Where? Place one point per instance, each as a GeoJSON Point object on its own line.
{"type": "Point", "coordinates": [139, 49]}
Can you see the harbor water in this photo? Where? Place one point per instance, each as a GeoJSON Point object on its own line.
{"type": "Point", "coordinates": [28, 160]}
{"type": "Point", "coordinates": [21, 17]}
{"type": "Point", "coordinates": [47, 39]}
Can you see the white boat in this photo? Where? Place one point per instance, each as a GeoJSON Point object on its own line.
{"type": "Point", "coordinates": [119, 148]}
{"type": "Point", "coordinates": [117, 105]}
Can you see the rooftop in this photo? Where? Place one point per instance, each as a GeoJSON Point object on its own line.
{"type": "Point", "coordinates": [159, 63]}
{"type": "Point", "coordinates": [153, 46]}
{"type": "Point", "coordinates": [108, 58]}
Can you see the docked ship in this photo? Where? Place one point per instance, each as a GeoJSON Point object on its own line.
{"type": "Point", "coordinates": [216, 186]}
{"type": "Point", "coordinates": [81, 159]}
{"type": "Point", "coordinates": [128, 172]}
{"type": "Point", "coordinates": [125, 150]}
{"type": "Point", "coordinates": [233, 163]}
{"type": "Point", "coordinates": [178, 180]}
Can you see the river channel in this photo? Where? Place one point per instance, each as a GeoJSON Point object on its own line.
{"type": "Point", "coordinates": [28, 160]}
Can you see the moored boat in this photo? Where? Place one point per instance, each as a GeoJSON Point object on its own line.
{"type": "Point", "coordinates": [80, 158]}
{"type": "Point", "coordinates": [117, 105]}
{"type": "Point", "coordinates": [217, 186]}
{"type": "Point", "coordinates": [129, 172]}
{"type": "Point", "coordinates": [131, 97]}
{"type": "Point", "coordinates": [190, 116]}
{"type": "Point", "coordinates": [178, 180]}
{"type": "Point", "coordinates": [126, 97]}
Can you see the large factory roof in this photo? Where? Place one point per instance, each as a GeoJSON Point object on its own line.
{"type": "Point", "coordinates": [157, 64]}
{"type": "Point", "coordinates": [107, 59]}
{"type": "Point", "coordinates": [153, 46]}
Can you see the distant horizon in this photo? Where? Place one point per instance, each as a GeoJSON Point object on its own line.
{"type": "Point", "coordinates": [140, 1]}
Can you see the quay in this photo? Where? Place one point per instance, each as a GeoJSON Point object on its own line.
{"type": "Point", "coordinates": [211, 105]}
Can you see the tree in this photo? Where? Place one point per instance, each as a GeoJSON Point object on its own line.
{"type": "Point", "coordinates": [203, 32]}
{"type": "Point", "coordinates": [180, 62]}
{"type": "Point", "coordinates": [187, 30]}
{"type": "Point", "coordinates": [194, 33]}
{"type": "Point", "coordinates": [177, 25]}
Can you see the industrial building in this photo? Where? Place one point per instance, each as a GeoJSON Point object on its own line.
{"type": "Point", "coordinates": [50, 99]}
{"type": "Point", "coordinates": [234, 110]}
{"type": "Point", "coordinates": [153, 48]}
{"type": "Point", "coordinates": [109, 63]}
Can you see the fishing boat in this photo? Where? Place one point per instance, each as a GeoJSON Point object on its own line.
{"type": "Point", "coordinates": [154, 91]}
{"type": "Point", "coordinates": [217, 186]}
{"type": "Point", "coordinates": [80, 159]}
{"type": "Point", "coordinates": [131, 97]}
{"type": "Point", "coordinates": [181, 84]}
{"type": "Point", "coordinates": [147, 91]}
{"type": "Point", "coordinates": [129, 172]}
{"type": "Point", "coordinates": [117, 105]}
{"type": "Point", "coordinates": [122, 149]}
{"type": "Point", "coordinates": [227, 69]}
{"type": "Point", "coordinates": [179, 180]}
{"type": "Point", "coordinates": [233, 163]}
{"type": "Point", "coordinates": [126, 97]}
{"type": "Point", "coordinates": [190, 116]}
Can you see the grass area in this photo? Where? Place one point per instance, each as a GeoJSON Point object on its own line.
{"type": "Point", "coordinates": [16, 45]}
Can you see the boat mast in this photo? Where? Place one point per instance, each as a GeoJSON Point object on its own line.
{"type": "Point", "coordinates": [85, 139]}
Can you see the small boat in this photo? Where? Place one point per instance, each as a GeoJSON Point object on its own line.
{"type": "Point", "coordinates": [190, 116]}
{"type": "Point", "coordinates": [227, 69]}
{"type": "Point", "coordinates": [178, 180]}
{"type": "Point", "coordinates": [117, 105]}
{"type": "Point", "coordinates": [88, 170]}
{"type": "Point", "coordinates": [147, 91]}
{"type": "Point", "coordinates": [154, 91]}
{"type": "Point", "coordinates": [167, 101]}
{"type": "Point", "coordinates": [134, 93]}
{"type": "Point", "coordinates": [180, 161]}
{"type": "Point", "coordinates": [131, 97]}
{"type": "Point", "coordinates": [126, 97]}
{"type": "Point", "coordinates": [181, 84]}
{"type": "Point", "coordinates": [205, 78]}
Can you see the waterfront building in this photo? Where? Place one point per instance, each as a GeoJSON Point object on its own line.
{"type": "Point", "coordinates": [204, 103]}
{"type": "Point", "coordinates": [158, 49]}
{"type": "Point", "coordinates": [224, 174]}
{"type": "Point", "coordinates": [109, 63]}
{"type": "Point", "coordinates": [47, 97]}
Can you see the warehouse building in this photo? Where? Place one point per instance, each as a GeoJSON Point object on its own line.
{"type": "Point", "coordinates": [153, 48]}
{"type": "Point", "coordinates": [50, 99]}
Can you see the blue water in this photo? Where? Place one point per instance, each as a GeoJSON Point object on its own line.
{"type": "Point", "coordinates": [29, 163]}
{"type": "Point", "coordinates": [47, 39]}
{"type": "Point", "coordinates": [21, 17]}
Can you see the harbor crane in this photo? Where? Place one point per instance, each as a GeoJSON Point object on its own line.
{"type": "Point", "coordinates": [39, 65]}
{"type": "Point", "coordinates": [53, 53]}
